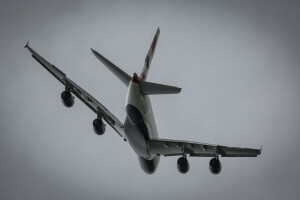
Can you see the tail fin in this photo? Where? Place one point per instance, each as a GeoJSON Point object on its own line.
{"type": "Point", "coordinates": [149, 56]}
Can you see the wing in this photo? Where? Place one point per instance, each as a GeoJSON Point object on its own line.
{"type": "Point", "coordinates": [195, 149]}
{"type": "Point", "coordinates": [85, 97]}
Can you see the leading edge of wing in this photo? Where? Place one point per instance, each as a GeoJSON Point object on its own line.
{"type": "Point", "coordinates": [168, 147]}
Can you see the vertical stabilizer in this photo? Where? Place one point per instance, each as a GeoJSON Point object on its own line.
{"type": "Point", "coordinates": [149, 56]}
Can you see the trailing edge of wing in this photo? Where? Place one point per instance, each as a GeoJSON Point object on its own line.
{"type": "Point", "coordinates": [125, 78]}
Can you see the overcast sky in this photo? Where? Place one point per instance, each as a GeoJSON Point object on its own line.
{"type": "Point", "coordinates": [238, 65]}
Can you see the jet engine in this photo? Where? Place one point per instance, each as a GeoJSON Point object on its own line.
{"type": "Point", "coordinates": [99, 126]}
{"type": "Point", "coordinates": [183, 165]}
{"type": "Point", "coordinates": [215, 166]}
{"type": "Point", "coordinates": [67, 98]}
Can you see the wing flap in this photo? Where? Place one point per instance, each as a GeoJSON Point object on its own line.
{"type": "Point", "coordinates": [173, 147]}
{"type": "Point", "coordinates": [96, 106]}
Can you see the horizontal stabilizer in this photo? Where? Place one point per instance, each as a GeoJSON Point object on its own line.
{"type": "Point", "coordinates": [125, 78]}
{"type": "Point", "coordinates": [148, 88]}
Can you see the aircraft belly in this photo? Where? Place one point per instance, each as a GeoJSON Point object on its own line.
{"type": "Point", "coordinates": [138, 136]}
{"type": "Point", "coordinates": [139, 125]}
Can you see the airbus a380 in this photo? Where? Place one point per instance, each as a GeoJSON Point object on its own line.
{"type": "Point", "coordinates": [139, 127]}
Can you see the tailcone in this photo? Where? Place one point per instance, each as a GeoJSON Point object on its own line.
{"type": "Point", "coordinates": [149, 166]}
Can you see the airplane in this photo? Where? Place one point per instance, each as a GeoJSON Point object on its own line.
{"type": "Point", "coordinates": [139, 127]}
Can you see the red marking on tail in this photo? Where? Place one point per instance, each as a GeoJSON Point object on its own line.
{"type": "Point", "coordinates": [143, 77]}
{"type": "Point", "coordinates": [135, 78]}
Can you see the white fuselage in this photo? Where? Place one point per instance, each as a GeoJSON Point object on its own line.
{"type": "Point", "coordinates": [141, 117]}
{"type": "Point", "coordinates": [143, 104]}
{"type": "Point", "coordinates": [140, 126]}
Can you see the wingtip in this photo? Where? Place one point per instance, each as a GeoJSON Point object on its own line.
{"type": "Point", "coordinates": [92, 50]}
{"type": "Point", "coordinates": [26, 46]}
{"type": "Point", "coordinates": [179, 90]}
{"type": "Point", "coordinates": [259, 150]}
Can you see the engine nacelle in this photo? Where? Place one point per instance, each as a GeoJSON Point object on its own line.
{"type": "Point", "coordinates": [99, 126]}
{"type": "Point", "coordinates": [215, 166]}
{"type": "Point", "coordinates": [183, 165]}
{"type": "Point", "coordinates": [67, 98]}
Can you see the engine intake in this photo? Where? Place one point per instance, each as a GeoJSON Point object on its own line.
{"type": "Point", "coordinates": [183, 165]}
{"type": "Point", "coordinates": [99, 126]}
{"type": "Point", "coordinates": [67, 98]}
{"type": "Point", "coordinates": [215, 166]}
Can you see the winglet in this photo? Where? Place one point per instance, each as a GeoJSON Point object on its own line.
{"type": "Point", "coordinates": [26, 46]}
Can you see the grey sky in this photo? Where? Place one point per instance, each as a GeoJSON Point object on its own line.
{"type": "Point", "coordinates": [238, 65]}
